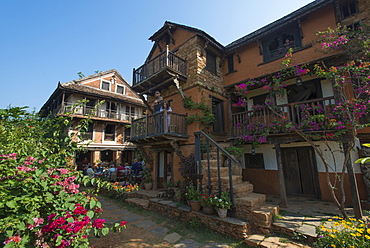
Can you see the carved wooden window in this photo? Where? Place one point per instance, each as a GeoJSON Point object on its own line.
{"type": "Point", "coordinates": [254, 161]}
{"type": "Point", "coordinates": [277, 44]}
{"type": "Point", "coordinates": [211, 62]}
{"type": "Point", "coordinates": [230, 63]}
{"type": "Point", "coordinates": [348, 8]}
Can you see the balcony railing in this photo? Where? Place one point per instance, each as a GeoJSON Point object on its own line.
{"type": "Point", "coordinates": [292, 111]}
{"type": "Point", "coordinates": [164, 60]}
{"type": "Point", "coordinates": [159, 124]}
{"type": "Point", "coordinates": [94, 112]}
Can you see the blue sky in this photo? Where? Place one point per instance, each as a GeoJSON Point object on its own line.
{"type": "Point", "coordinates": [46, 41]}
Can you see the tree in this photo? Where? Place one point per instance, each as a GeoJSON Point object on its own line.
{"type": "Point", "coordinates": [41, 204]}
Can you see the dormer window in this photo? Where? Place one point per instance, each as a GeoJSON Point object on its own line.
{"type": "Point", "coordinates": [120, 89]}
{"type": "Point", "coordinates": [105, 85]}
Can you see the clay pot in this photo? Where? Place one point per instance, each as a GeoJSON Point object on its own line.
{"type": "Point", "coordinates": [209, 210]}
{"type": "Point", "coordinates": [195, 206]}
{"type": "Point", "coordinates": [148, 186]}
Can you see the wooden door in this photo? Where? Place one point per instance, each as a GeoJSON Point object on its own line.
{"type": "Point", "coordinates": [300, 172]}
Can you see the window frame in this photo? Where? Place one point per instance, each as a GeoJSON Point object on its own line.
{"type": "Point", "coordinates": [348, 6]}
{"type": "Point", "coordinates": [123, 89]}
{"type": "Point", "coordinates": [114, 133]}
{"type": "Point", "coordinates": [211, 57]}
{"type": "Point", "coordinates": [105, 82]}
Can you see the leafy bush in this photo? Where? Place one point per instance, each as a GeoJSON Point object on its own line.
{"type": "Point", "coordinates": [41, 205]}
{"type": "Point", "coordinates": [187, 169]}
{"type": "Point", "coordinates": [223, 201]}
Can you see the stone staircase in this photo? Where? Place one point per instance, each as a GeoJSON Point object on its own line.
{"type": "Point", "coordinates": [249, 206]}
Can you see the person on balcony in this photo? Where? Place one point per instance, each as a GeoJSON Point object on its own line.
{"type": "Point", "coordinates": [166, 107]}
{"type": "Point", "coordinates": [157, 102]}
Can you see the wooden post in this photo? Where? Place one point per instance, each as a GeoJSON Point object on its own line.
{"type": "Point", "coordinates": [283, 198]}
{"type": "Point", "coordinates": [353, 184]}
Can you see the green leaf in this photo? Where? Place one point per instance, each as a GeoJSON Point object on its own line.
{"type": "Point", "coordinates": [105, 231]}
{"type": "Point", "coordinates": [11, 204]}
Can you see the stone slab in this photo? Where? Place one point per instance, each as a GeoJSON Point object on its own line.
{"type": "Point", "coordinates": [215, 245]}
{"type": "Point", "coordinates": [111, 208]}
{"type": "Point", "coordinates": [254, 240]}
{"type": "Point", "coordinates": [122, 212]}
{"type": "Point", "coordinates": [146, 224]}
{"type": "Point", "coordinates": [133, 217]}
{"type": "Point", "coordinates": [307, 230]}
{"type": "Point", "coordinates": [188, 243]}
{"type": "Point", "coordinates": [160, 231]}
{"type": "Point", "coordinates": [172, 237]}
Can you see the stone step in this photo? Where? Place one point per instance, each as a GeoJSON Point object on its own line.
{"type": "Point", "coordinates": [262, 217]}
{"type": "Point", "coordinates": [251, 201]}
{"type": "Point", "coordinates": [224, 171]}
{"type": "Point", "coordinates": [258, 240]}
{"type": "Point", "coordinates": [236, 179]}
{"type": "Point", "coordinates": [242, 188]}
{"type": "Point", "coordinates": [212, 162]}
{"type": "Point", "coordinates": [138, 202]}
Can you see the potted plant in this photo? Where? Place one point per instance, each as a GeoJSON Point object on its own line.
{"type": "Point", "coordinates": [193, 195]}
{"type": "Point", "coordinates": [208, 203]}
{"type": "Point", "coordinates": [146, 179]}
{"type": "Point", "coordinates": [222, 204]}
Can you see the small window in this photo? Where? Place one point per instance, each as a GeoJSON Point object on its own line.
{"type": "Point", "coordinates": [230, 63]}
{"type": "Point", "coordinates": [105, 85]}
{"type": "Point", "coordinates": [349, 9]}
{"type": "Point", "coordinates": [88, 134]}
{"type": "Point", "coordinates": [254, 161]}
{"type": "Point", "coordinates": [120, 89]}
{"type": "Point", "coordinates": [211, 62]}
{"type": "Point", "coordinates": [109, 132]}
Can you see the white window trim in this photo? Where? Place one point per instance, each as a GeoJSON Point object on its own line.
{"type": "Point", "coordinates": [124, 89]}
{"type": "Point", "coordinates": [105, 81]}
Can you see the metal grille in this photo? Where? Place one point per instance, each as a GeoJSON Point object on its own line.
{"type": "Point", "coordinates": [254, 161]}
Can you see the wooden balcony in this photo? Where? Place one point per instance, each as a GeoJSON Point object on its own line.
{"type": "Point", "coordinates": [162, 127]}
{"type": "Point", "coordinates": [292, 111]}
{"type": "Point", "coordinates": [158, 73]}
{"type": "Point", "coordinates": [101, 113]}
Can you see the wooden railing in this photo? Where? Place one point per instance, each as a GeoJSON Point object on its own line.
{"type": "Point", "coordinates": [68, 107]}
{"type": "Point", "coordinates": [163, 60]}
{"type": "Point", "coordinates": [160, 123]}
{"type": "Point", "coordinates": [292, 111]}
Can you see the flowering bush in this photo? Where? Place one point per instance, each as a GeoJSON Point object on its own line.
{"type": "Point", "coordinates": [187, 169]}
{"type": "Point", "coordinates": [210, 200]}
{"type": "Point", "coordinates": [339, 232]}
{"type": "Point", "coordinates": [223, 201]}
{"type": "Point", "coordinates": [41, 202]}
{"type": "Point", "coordinates": [146, 176]}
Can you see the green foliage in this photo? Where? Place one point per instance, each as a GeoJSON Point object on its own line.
{"type": "Point", "coordinates": [234, 150]}
{"type": "Point", "coordinates": [187, 169]}
{"type": "Point", "coordinates": [206, 118]}
{"type": "Point", "coordinates": [223, 201]}
{"type": "Point", "coordinates": [41, 204]}
{"type": "Point", "coordinates": [192, 194]}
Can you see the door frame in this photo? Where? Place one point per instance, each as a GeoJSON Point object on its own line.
{"type": "Point", "coordinates": [313, 165]}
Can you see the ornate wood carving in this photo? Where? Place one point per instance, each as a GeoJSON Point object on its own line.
{"type": "Point", "coordinates": [175, 146]}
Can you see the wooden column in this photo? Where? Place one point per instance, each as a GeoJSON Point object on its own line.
{"type": "Point", "coordinates": [283, 198]}
{"type": "Point", "coordinates": [353, 184]}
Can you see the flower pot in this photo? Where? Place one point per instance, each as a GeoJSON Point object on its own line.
{"type": "Point", "coordinates": [209, 210]}
{"type": "Point", "coordinates": [195, 206]}
{"type": "Point", "coordinates": [222, 212]}
{"type": "Point", "coordinates": [148, 186]}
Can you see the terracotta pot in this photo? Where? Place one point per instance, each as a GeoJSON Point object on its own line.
{"type": "Point", "coordinates": [222, 212]}
{"type": "Point", "coordinates": [148, 186]}
{"type": "Point", "coordinates": [209, 210]}
{"type": "Point", "coordinates": [195, 206]}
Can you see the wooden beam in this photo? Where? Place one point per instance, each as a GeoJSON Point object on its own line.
{"type": "Point", "coordinates": [283, 197]}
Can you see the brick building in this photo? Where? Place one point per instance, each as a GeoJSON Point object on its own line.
{"type": "Point", "coordinates": [111, 104]}
{"type": "Point", "coordinates": [197, 75]}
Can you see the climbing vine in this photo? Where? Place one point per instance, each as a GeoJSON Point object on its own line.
{"type": "Point", "coordinates": [206, 118]}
